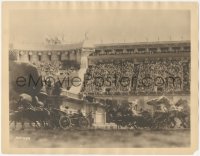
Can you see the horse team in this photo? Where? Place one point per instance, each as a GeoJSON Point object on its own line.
{"type": "Point", "coordinates": [123, 115]}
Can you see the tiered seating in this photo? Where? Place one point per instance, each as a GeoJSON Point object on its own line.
{"type": "Point", "coordinates": [147, 77]}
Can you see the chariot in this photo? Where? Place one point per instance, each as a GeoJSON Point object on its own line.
{"type": "Point", "coordinates": [66, 121]}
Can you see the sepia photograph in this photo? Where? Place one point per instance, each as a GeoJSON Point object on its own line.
{"type": "Point", "coordinates": [91, 76]}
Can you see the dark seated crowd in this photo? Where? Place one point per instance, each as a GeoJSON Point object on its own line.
{"type": "Point", "coordinates": [140, 78]}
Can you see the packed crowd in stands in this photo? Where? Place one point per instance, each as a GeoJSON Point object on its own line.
{"type": "Point", "coordinates": [53, 68]}
{"type": "Point", "coordinates": [167, 76]}
{"type": "Point", "coordinates": [138, 51]}
{"type": "Point", "coordinates": [129, 78]}
{"type": "Point", "coordinates": [48, 68]}
{"type": "Point", "coordinates": [147, 77]}
{"type": "Point", "coordinates": [59, 71]}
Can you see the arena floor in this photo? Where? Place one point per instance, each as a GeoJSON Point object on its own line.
{"type": "Point", "coordinates": [99, 138]}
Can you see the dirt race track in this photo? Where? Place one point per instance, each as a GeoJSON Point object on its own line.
{"type": "Point", "coordinates": [99, 138]}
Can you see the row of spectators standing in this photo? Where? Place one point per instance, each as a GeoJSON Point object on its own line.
{"type": "Point", "coordinates": [135, 51]}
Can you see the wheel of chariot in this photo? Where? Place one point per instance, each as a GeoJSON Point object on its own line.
{"type": "Point", "coordinates": [83, 122]}
{"type": "Point", "coordinates": [64, 122]}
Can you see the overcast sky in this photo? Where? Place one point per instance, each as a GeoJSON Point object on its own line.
{"type": "Point", "coordinates": [31, 26]}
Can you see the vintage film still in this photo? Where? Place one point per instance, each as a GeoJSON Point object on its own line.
{"type": "Point", "coordinates": [100, 78]}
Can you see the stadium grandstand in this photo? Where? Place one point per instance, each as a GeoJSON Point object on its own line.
{"type": "Point", "coordinates": [116, 69]}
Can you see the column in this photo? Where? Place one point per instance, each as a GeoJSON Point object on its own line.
{"type": "Point", "coordinates": [44, 56]}
{"type": "Point", "coordinates": [124, 51]}
{"type": "Point", "coordinates": [63, 53]}
{"type": "Point", "coordinates": [78, 56]}
{"type": "Point", "coordinates": [34, 57]}
{"type": "Point", "coordinates": [158, 50]}
{"type": "Point", "coordinates": [23, 56]}
{"type": "Point", "coordinates": [55, 56]}
{"type": "Point", "coordinates": [135, 51]}
{"type": "Point", "coordinates": [72, 55]}
{"type": "Point", "coordinates": [59, 55]}
{"type": "Point", "coordinates": [39, 54]}
{"type": "Point", "coordinates": [67, 55]}
{"type": "Point", "coordinates": [49, 56]}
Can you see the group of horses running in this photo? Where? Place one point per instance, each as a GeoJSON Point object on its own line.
{"type": "Point", "coordinates": [122, 115]}
{"type": "Point", "coordinates": [126, 117]}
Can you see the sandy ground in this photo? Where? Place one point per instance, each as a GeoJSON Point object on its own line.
{"type": "Point", "coordinates": [99, 138]}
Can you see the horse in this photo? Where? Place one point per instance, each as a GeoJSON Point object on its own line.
{"type": "Point", "coordinates": [15, 116]}
{"type": "Point", "coordinates": [20, 116]}
{"type": "Point", "coordinates": [177, 112]}
{"type": "Point", "coordinates": [184, 118]}
{"type": "Point", "coordinates": [32, 115]}
{"type": "Point", "coordinates": [35, 115]}
{"type": "Point", "coordinates": [142, 120]}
